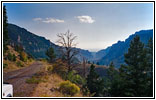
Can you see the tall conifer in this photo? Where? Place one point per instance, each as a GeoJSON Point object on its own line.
{"type": "Point", "coordinates": [5, 29]}
{"type": "Point", "coordinates": [134, 73]}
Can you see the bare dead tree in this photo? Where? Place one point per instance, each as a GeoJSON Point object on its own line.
{"type": "Point", "coordinates": [67, 47]}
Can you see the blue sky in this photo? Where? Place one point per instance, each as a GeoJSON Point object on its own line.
{"type": "Point", "coordinates": [97, 25]}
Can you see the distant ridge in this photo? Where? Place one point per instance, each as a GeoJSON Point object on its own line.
{"type": "Point", "coordinates": [116, 52]}
{"type": "Point", "coordinates": [37, 46]}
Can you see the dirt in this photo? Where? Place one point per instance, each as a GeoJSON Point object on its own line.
{"type": "Point", "coordinates": [17, 79]}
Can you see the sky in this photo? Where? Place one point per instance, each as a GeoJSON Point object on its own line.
{"type": "Point", "coordinates": [96, 25]}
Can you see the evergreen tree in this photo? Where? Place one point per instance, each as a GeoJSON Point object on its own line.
{"type": "Point", "coordinates": [149, 50]}
{"type": "Point", "coordinates": [97, 63]}
{"type": "Point", "coordinates": [117, 88]}
{"type": "Point", "coordinates": [114, 81]}
{"type": "Point", "coordinates": [95, 84]}
{"type": "Point", "coordinates": [5, 30]}
{"type": "Point", "coordinates": [50, 53]}
{"type": "Point", "coordinates": [133, 73]}
{"type": "Point", "coordinates": [111, 71]}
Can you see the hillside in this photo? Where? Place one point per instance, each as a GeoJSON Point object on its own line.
{"type": "Point", "coordinates": [14, 60]}
{"type": "Point", "coordinates": [33, 44]}
{"type": "Point", "coordinates": [36, 45]}
{"type": "Point", "coordinates": [116, 52]}
{"type": "Point", "coordinates": [101, 53]}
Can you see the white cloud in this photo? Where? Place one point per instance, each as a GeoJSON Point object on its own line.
{"type": "Point", "coordinates": [53, 20]}
{"type": "Point", "coordinates": [37, 19]}
{"type": "Point", "coordinates": [49, 20]}
{"type": "Point", "coordinates": [85, 19]}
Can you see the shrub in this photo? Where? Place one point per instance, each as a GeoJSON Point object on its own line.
{"type": "Point", "coordinates": [34, 80]}
{"type": "Point", "coordinates": [69, 88]}
{"type": "Point", "coordinates": [14, 57]}
{"type": "Point", "coordinates": [5, 65]}
{"type": "Point", "coordinates": [75, 78]}
{"type": "Point", "coordinates": [23, 56]}
{"type": "Point", "coordinates": [50, 69]}
{"type": "Point", "coordinates": [85, 90]}
{"type": "Point", "coordinates": [50, 53]}
{"type": "Point", "coordinates": [44, 60]}
{"type": "Point", "coordinates": [30, 59]}
{"type": "Point", "coordinates": [59, 69]}
{"type": "Point", "coordinates": [11, 57]}
{"type": "Point", "coordinates": [19, 64]}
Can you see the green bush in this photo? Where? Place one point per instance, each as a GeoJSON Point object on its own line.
{"type": "Point", "coordinates": [44, 60]}
{"type": "Point", "coordinates": [60, 70]}
{"type": "Point", "coordinates": [34, 80]}
{"type": "Point", "coordinates": [30, 59]}
{"type": "Point", "coordinates": [85, 90]}
{"type": "Point", "coordinates": [19, 64]}
{"type": "Point", "coordinates": [50, 69]}
{"type": "Point", "coordinates": [14, 57]}
{"type": "Point", "coordinates": [69, 88]}
{"type": "Point", "coordinates": [11, 57]}
{"type": "Point", "coordinates": [75, 78]}
{"type": "Point", "coordinates": [23, 56]}
{"type": "Point", "coordinates": [5, 65]}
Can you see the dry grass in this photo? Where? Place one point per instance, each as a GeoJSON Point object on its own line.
{"type": "Point", "coordinates": [13, 65]}
{"type": "Point", "coordinates": [49, 88]}
{"type": "Point", "coordinates": [13, 51]}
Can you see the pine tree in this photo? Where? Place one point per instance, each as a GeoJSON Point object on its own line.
{"type": "Point", "coordinates": [50, 53]}
{"type": "Point", "coordinates": [95, 84]}
{"type": "Point", "coordinates": [5, 30]}
{"type": "Point", "coordinates": [114, 82]}
{"type": "Point", "coordinates": [117, 88]}
{"type": "Point", "coordinates": [134, 73]}
{"type": "Point", "coordinates": [149, 50]}
{"type": "Point", "coordinates": [111, 71]}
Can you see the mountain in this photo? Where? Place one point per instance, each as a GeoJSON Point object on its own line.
{"type": "Point", "coordinates": [33, 44]}
{"type": "Point", "coordinates": [116, 52]}
{"type": "Point", "coordinates": [36, 45]}
{"type": "Point", "coordinates": [84, 54]}
{"type": "Point", "coordinates": [101, 53]}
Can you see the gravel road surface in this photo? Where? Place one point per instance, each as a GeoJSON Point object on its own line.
{"type": "Point", "coordinates": [17, 79]}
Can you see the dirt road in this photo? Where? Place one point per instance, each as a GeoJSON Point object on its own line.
{"type": "Point", "coordinates": [17, 79]}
